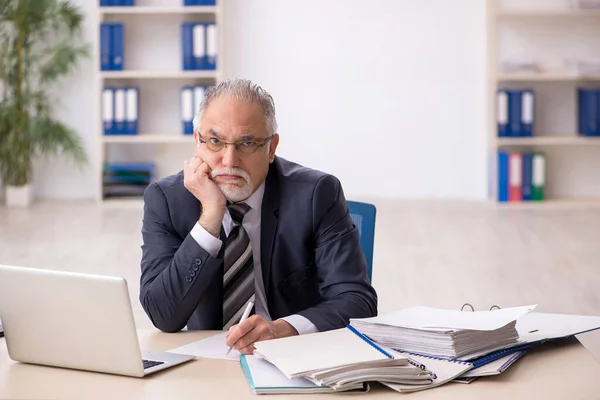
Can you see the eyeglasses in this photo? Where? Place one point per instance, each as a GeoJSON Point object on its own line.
{"type": "Point", "coordinates": [244, 146]}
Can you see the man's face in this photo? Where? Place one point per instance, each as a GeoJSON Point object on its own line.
{"type": "Point", "coordinates": [238, 173]}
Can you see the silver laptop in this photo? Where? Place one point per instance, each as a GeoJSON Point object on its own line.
{"type": "Point", "coordinates": [74, 320]}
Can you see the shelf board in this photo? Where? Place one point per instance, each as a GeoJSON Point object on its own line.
{"type": "Point", "coordinates": [573, 140]}
{"type": "Point", "coordinates": [546, 76]}
{"type": "Point", "coordinates": [149, 138]}
{"type": "Point", "coordinates": [157, 10]}
{"type": "Point", "coordinates": [149, 74]}
{"type": "Point", "coordinates": [549, 12]}
{"type": "Point", "coordinates": [551, 203]}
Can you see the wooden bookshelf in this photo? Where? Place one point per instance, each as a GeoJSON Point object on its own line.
{"type": "Point", "coordinates": [570, 158]}
{"type": "Point", "coordinates": [153, 64]}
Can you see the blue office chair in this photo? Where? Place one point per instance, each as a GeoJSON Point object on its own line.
{"type": "Point", "coordinates": [363, 216]}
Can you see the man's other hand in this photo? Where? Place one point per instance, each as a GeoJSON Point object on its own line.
{"type": "Point", "coordinates": [254, 329]}
{"type": "Point", "coordinates": [196, 179]}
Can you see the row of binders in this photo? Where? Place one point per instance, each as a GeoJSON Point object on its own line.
{"type": "Point", "coordinates": [120, 110]}
{"type": "Point", "coordinates": [515, 112]}
{"type": "Point", "coordinates": [121, 3]}
{"type": "Point", "coordinates": [127, 179]}
{"type": "Point", "coordinates": [200, 45]}
{"type": "Point", "coordinates": [521, 176]}
{"type": "Point", "coordinates": [409, 350]}
{"type": "Point", "coordinates": [199, 2]}
{"type": "Point", "coordinates": [191, 97]}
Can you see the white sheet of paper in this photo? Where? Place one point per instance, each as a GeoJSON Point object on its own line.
{"type": "Point", "coordinates": [212, 347]}
{"type": "Point", "coordinates": [539, 326]}
{"type": "Point", "coordinates": [265, 375]}
{"type": "Point", "coordinates": [431, 318]}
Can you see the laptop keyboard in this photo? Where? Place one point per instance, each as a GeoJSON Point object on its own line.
{"type": "Point", "coordinates": [150, 364]}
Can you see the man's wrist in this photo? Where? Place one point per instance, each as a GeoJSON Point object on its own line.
{"type": "Point", "coordinates": [284, 329]}
{"type": "Point", "coordinates": [211, 220]}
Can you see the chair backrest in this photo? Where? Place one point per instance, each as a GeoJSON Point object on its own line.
{"type": "Point", "coordinates": [363, 216]}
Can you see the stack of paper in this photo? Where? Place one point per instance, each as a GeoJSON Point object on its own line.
{"type": "Point", "coordinates": [444, 333]}
{"type": "Point", "coordinates": [340, 359]}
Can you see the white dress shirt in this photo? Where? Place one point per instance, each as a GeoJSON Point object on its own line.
{"type": "Point", "coordinates": [251, 223]}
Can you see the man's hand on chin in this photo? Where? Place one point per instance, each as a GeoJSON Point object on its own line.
{"type": "Point", "coordinates": [254, 329]}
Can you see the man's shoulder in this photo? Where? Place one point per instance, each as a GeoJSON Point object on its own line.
{"type": "Point", "coordinates": [168, 185]}
{"type": "Point", "coordinates": [294, 172]}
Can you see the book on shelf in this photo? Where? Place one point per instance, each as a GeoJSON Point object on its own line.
{"type": "Point", "coordinates": [127, 179]}
{"type": "Point", "coordinates": [199, 2]}
{"type": "Point", "coordinates": [521, 176]}
{"type": "Point", "coordinates": [588, 111]}
{"type": "Point", "coordinates": [200, 46]}
{"type": "Point", "coordinates": [112, 46]}
{"type": "Point", "coordinates": [117, 3]}
{"type": "Point", "coordinates": [120, 109]}
{"type": "Point", "coordinates": [515, 112]}
{"type": "Point", "coordinates": [191, 97]}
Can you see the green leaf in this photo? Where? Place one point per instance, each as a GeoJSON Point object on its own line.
{"type": "Point", "coordinates": [39, 44]}
{"type": "Point", "coordinates": [62, 59]}
{"type": "Point", "coordinates": [53, 137]}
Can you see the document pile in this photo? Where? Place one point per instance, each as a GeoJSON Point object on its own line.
{"type": "Point", "coordinates": [340, 360]}
{"type": "Point", "coordinates": [444, 333]}
{"type": "Point", "coordinates": [409, 350]}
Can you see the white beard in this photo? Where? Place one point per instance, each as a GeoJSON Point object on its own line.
{"type": "Point", "coordinates": [233, 192]}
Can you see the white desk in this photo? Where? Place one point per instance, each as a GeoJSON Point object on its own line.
{"type": "Point", "coordinates": [565, 371]}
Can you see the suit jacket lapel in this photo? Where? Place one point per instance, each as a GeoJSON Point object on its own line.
{"type": "Point", "coordinates": [269, 217]}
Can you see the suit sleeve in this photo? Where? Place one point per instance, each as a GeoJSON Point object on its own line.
{"type": "Point", "coordinates": [341, 264]}
{"type": "Point", "coordinates": [175, 272]}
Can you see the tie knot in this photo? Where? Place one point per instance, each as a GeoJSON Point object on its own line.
{"type": "Point", "coordinates": [237, 211]}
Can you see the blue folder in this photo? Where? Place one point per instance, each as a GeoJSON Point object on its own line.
{"type": "Point", "coordinates": [105, 47]}
{"type": "Point", "coordinates": [588, 112]}
{"type": "Point", "coordinates": [187, 44]}
{"type": "Point", "coordinates": [117, 34]}
{"type": "Point", "coordinates": [502, 176]}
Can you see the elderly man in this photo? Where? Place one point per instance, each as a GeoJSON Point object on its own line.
{"type": "Point", "coordinates": [241, 224]}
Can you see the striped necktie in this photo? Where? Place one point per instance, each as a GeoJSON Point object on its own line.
{"type": "Point", "coordinates": [238, 272]}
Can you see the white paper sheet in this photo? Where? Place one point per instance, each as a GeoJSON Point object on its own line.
{"type": "Point", "coordinates": [267, 375]}
{"type": "Point", "coordinates": [212, 347]}
{"type": "Point", "coordinates": [436, 318]}
{"type": "Point", "coordinates": [541, 326]}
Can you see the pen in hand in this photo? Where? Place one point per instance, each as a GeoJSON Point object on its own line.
{"type": "Point", "coordinates": [244, 317]}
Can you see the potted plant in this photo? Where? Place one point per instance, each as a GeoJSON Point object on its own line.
{"type": "Point", "coordinates": [40, 42]}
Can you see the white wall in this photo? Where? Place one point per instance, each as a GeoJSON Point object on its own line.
{"type": "Point", "coordinates": [386, 94]}
{"type": "Point", "coordinates": [389, 95]}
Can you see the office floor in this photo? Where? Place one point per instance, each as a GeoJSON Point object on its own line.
{"type": "Point", "coordinates": [440, 254]}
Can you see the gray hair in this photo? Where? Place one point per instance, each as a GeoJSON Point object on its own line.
{"type": "Point", "coordinates": [240, 89]}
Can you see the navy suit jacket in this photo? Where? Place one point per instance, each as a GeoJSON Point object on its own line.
{"type": "Point", "coordinates": [312, 262]}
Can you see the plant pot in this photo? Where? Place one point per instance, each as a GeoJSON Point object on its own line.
{"type": "Point", "coordinates": [19, 196]}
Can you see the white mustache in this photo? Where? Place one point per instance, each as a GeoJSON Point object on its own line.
{"type": "Point", "coordinates": [230, 171]}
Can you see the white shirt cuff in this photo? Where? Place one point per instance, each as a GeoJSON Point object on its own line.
{"type": "Point", "coordinates": [302, 324]}
{"type": "Point", "coordinates": [205, 240]}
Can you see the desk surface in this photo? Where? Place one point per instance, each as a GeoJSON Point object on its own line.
{"type": "Point", "coordinates": [552, 371]}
